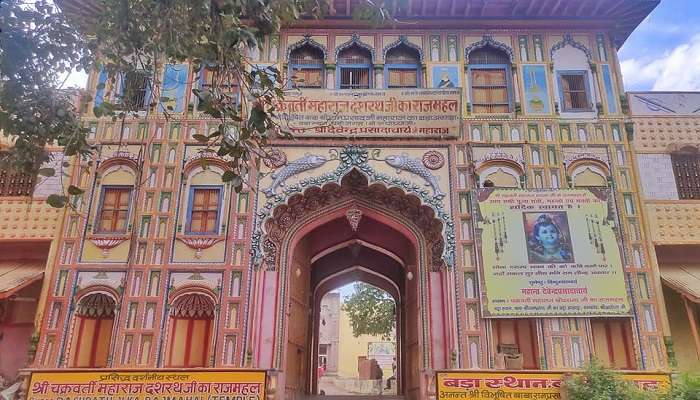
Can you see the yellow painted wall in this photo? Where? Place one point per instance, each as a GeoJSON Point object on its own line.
{"type": "Point", "coordinates": [351, 347]}
{"type": "Point", "coordinates": [683, 342]}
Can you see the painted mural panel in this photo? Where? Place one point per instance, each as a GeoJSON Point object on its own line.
{"type": "Point", "coordinates": [138, 385]}
{"type": "Point", "coordinates": [173, 92]}
{"type": "Point", "coordinates": [550, 253]}
{"type": "Point", "coordinates": [445, 76]}
{"type": "Point", "coordinates": [509, 385]}
{"type": "Point", "coordinates": [413, 113]}
{"type": "Point", "coordinates": [609, 90]}
{"type": "Point", "coordinates": [536, 91]}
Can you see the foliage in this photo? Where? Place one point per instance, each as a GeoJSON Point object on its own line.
{"type": "Point", "coordinates": [127, 37]}
{"type": "Point", "coordinates": [596, 382]}
{"type": "Point", "coordinates": [687, 387]}
{"type": "Point", "coordinates": [37, 44]}
{"type": "Point", "coordinates": [599, 383]}
{"type": "Point", "coordinates": [372, 311]}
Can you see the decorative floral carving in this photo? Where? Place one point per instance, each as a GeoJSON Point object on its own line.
{"type": "Point", "coordinates": [354, 41]}
{"type": "Point", "coordinates": [403, 40]}
{"type": "Point", "coordinates": [307, 41]}
{"type": "Point", "coordinates": [354, 215]}
{"type": "Point", "coordinates": [275, 159]}
{"type": "Point", "coordinates": [354, 185]}
{"type": "Point", "coordinates": [489, 41]}
{"type": "Point", "coordinates": [570, 41]}
{"type": "Point", "coordinates": [433, 160]}
{"type": "Point", "coordinates": [199, 243]}
{"type": "Point", "coordinates": [353, 158]}
{"type": "Point", "coordinates": [107, 243]}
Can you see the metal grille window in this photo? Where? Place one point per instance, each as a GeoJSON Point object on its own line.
{"type": "Point", "coordinates": [355, 67]}
{"type": "Point", "coordinates": [574, 91]}
{"type": "Point", "coordinates": [306, 67]}
{"type": "Point", "coordinates": [16, 183]}
{"type": "Point", "coordinates": [686, 168]}
{"type": "Point", "coordinates": [402, 67]}
{"type": "Point", "coordinates": [135, 90]}
{"type": "Point", "coordinates": [204, 211]}
{"type": "Point", "coordinates": [114, 209]}
{"type": "Point", "coordinates": [490, 81]}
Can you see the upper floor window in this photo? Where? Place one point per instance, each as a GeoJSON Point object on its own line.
{"type": "Point", "coordinates": [114, 209]}
{"type": "Point", "coordinates": [134, 93]}
{"type": "Point", "coordinates": [306, 67]}
{"type": "Point", "coordinates": [354, 68]}
{"type": "Point", "coordinates": [686, 168]}
{"type": "Point", "coordinates": [204, 210]}
{"type": "Point", "coordinates": [14, 183]}
{"type": "Point", "coordinates": [225, 84]}
{"type": "Point", "coordinates": [574, 91]}
{"type": "Point", "coordinates": [402, 67]}
{"type": "Point", "coordinates": [489, 73]}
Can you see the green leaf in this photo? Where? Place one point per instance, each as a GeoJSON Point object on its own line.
{"type": "Point", "coordinates": [48, 172]}
{"type": "Point", "coordinates": [200, 138]}
{"type": "Point", "coordinates": [57, 201]}
{"type": "Point", "coordinates": [74, 190]}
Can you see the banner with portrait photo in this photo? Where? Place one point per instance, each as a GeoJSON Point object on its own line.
{"type": "Point", "coordinates": [550, 253]}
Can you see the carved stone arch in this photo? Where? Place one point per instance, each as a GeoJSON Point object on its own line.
{"type": "Point", "coordinates": [569, 40]}
{"type": "Point", "coordinates": [119, 158]}
{"type": "Point", "coordinates": [306, 41]}
{"type": "Point", "coordinates": [192, 301]}
{"type": "Point", "coordinates": [354, 41]}
{"type": "Point", "coordinates": [97, 302]}
{"type": "Point", "coordinates": [403, 40]}
{"type": "Point", "coordinates": [204, 159]}
{"type": "Point", "coordinates": [354, 186]}
{"type": "Point", "coordinates": [489, 41]}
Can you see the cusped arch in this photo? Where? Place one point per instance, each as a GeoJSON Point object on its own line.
{"type": "Point", "coordinates": [354, 41]}
{"type": "Point", "coordinates": [568, 40]}
{"type": "Point", "coordinates": [119, 158]}
{"type": "Point", "coordinates": [193, 301]}
{"type": "Point", "coordinates": [354, 187]}
{"type": "Point", "coordinates": [590, 169]}
{"type": "Point", "coordinates": [403, 41]}
{"type": "Point", "coordinates": [489, 41]}
{"type": "Point", "coordinates": [307, 41]}
{"type": "Point", "coordinates": [203, 160]}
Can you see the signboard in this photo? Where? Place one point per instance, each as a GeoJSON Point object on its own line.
{"type": "Point", "coordinates": [516, 385]}
{"type": "Point", "coordinates": [147, 385]}
{"type": "Point", "coordinates": [550, 253]}
{"type": "Point", "coordinates": [416, 113]}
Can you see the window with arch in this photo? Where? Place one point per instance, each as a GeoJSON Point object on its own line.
{"type": "Point", "coordinates": [114, 209]}
{"type": "Point", "coordinates": [204, 208]}
{"type": "Point", "coordinates": [191, 324]}
{"type": "Point", "coordinates": [686, 169]}
{"type": "Point", "coordinates": [92, 331]}
{"type": "Point", "coordinates": [402, 67]}
{"type": "Point", "coordinates": [489, 74]}
{"type": "Point", "coordinates": [306, 65]}
{"type": "Point", "coordinates": [225, 83]}
{"type": "Point", "coordinates": [354, 68]}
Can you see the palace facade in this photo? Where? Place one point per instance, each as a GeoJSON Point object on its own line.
{"type": "Point", "coordinates": [432, 159]}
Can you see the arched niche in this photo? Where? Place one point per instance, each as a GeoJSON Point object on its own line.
{"type": "Point", "coordinates": [92, 329]}
{"type": "Point", "coordinates": [588, 173]}
{"type": "Point", "coordinates": [500, 174]}
{"type": "Point", "coordinates": [190, 327]}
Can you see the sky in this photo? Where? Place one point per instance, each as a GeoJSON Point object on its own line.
{"type": "Point", "coordinates": [663, 53]}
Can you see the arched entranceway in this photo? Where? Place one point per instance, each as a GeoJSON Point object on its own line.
{"type": "Point", "coordinates": [336, 234]}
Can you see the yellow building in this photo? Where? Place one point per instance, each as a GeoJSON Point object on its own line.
{"type": "Point", "coordinates": [666, 137]}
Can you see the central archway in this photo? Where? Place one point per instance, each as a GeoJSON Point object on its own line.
{"type": "Point", "coordinates": [352, 231]}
